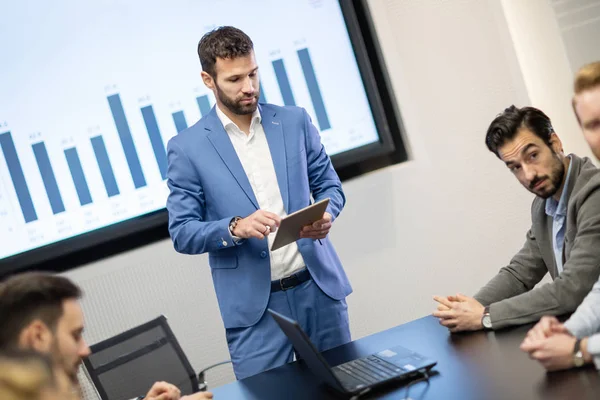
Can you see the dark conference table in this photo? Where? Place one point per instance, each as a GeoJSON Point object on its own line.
{"type": "Point", "coordinates": [475, 365]}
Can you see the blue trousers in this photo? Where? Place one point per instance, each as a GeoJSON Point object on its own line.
{"type": "Point", "coordinates": [264, 346]}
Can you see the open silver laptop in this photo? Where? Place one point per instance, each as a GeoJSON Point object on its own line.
{"type": "Point", "coordinates": [360, 375]}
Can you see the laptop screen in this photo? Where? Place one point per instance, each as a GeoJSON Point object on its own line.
{"type": "Point", "coordinates": [307, 350]}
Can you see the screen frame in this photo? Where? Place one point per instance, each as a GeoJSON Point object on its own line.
{"type": "Point", "coordinates": [151, 227]}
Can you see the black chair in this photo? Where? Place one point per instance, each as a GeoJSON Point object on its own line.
{"type": "Point", "coordinates": [127, 365]}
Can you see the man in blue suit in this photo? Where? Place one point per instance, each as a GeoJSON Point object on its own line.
{"type": "Point", "coordinates": [232, 177]}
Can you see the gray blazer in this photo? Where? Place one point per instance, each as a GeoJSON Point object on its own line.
{"type": "Point", "coordinates": [511, 294]}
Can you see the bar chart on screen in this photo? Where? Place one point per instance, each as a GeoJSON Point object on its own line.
{"type": "Point", "coordinates": [19, 205]}
{"type": "Point", "coordinates": [56, 183]}
{"type": "Point", "coordinates": [83, 145]}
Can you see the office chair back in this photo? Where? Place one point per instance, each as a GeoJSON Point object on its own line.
{"type": "Point", "coordinates": [127, 365]}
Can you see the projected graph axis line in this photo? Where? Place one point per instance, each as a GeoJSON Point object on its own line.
{"type": "Point", "coordinates": [313, 89]}
{"type": "Point", "coordinates": [284, 83]}
{"type": "Point", "coordinates": [81, 185]}
{"type": "Point", "coordinates": [131, 155]}
{"type": "Point", "coordinates": [106, 170]}
{"type": "Point", "coordinates": [156, 141]}
{"type": "Point", "coordinates": [48, 177]}
{"type": "Point", "coordinates": [17, 176]}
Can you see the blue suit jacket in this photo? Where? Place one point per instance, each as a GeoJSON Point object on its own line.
{"type": "Point", "coordinates": [208, 187]}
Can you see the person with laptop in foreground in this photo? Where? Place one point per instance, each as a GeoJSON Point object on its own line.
{"type": "Point", "coordinates": [576, 342]}
{"type": "Point", "coordinates": [41, 312]}
{"type": "Point", "coordinates": [564, 239]}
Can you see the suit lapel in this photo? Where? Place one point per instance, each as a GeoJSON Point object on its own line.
{"type": "Point", "coordinates": [222, 144]}
{"type": "Point", "coordinates": [274, 132]}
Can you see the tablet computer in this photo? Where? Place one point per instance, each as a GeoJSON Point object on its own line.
{"type": "Point", "coordinates": [289, 229]}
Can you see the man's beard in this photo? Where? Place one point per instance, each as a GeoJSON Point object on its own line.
{"type": "Point", "coordinates": [61, 362]}
{"type": "Point", "coordinates": [235, 106]}
{"type": "Point", "coordinates": [556, 178]}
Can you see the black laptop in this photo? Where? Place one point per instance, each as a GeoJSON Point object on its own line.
{"type": "Point", "coordinates": [360, 375]}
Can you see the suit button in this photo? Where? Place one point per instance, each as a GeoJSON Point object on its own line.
{"type": "Point", "coordinates": [263, 254]}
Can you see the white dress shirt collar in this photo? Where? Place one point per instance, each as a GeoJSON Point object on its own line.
{"type": "Point", "coordinates": [227, 122]}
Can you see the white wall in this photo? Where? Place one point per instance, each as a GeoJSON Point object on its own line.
{"type": "Point", "coordinates": [444, 222]}
{"type": "Point", "coordinates": [579, 23]}
{"type": "Point", "coordinates": [542, 55]}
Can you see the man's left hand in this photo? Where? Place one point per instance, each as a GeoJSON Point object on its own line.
{"type": "Point", "coordinates": [554, 352]}
{"type": "Point", "coordinates": [318, 229]}
{"type": "Point", "coordinates": [459, 313]}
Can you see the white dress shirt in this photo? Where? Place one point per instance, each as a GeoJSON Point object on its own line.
{"type": "Point", "coordinates": [255, 156]}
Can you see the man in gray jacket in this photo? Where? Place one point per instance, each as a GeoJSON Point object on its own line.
{"type": "Point", "coordinates": [564, 238]}
{"type": "Point", "coordinates": [577, 341]}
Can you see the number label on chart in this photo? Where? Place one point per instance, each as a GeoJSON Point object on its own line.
{"type": "Point", "coordinates": [35, 136]}
{"type": "Point", "coordinates": [111, 88]}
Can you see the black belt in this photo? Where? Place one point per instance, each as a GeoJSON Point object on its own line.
{"type": "Point", "coordinates": [289, 282]}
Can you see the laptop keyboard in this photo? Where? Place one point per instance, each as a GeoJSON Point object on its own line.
{"type": "Point", "coordinates": [366, 371]}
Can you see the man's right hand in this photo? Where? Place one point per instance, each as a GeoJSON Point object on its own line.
{"type": "Point", "coordinates": [257, 225]}
{"type": "Point", "coordinates": [163, 391]}
{"type": "Point", "coordinates": [166, 391]}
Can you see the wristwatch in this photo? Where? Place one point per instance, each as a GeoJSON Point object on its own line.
{"type": "Point", "coordinates": [233, 223]}
{"type": "Point", "coordinates": [578, 360]}
{"type": "Point", "coordinates": [486, 320]}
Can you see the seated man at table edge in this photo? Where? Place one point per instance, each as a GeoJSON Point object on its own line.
{"type": "Point", "coordinates": [576, 342]}
{"type": "Point", "coordinates": [563, 239]}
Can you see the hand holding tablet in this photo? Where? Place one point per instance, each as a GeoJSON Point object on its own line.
{"type": "Point", "coordinates": [291, 226]}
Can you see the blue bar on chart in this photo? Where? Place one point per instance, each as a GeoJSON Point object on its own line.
{"type": "Point", "coordinates": [106, 170]}
{"type": "Point", "coordinates": [160, 153]}
{"type": "Point", "coordinates": [81, 185]}
{"type": "Point", "coordinates": [180, 122]}
{"type": "Point", "coordinates": [116, 107]}
{"type": "Point", "coordinates": [262, 97]}
{"type": "Point", "coordinates": [45, 167]}
{"type": "Point", "coordinates": [203, 105]}
{"type": "Point", "coordinates": [284, 83]}
{"type": "Point", "coordinates": [18, 178]}
{"type": "Point", "coordinates": [313, 89]}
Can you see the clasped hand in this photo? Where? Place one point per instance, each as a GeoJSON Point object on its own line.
{"type": "Point", "coordinates": [550, 343]}
{"type": "Point", "coordinates": [459, 313]}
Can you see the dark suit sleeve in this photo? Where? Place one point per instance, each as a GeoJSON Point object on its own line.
{"type": "Point", "coordinates": [190, 233]}
{"type": "Point", "coordinates": [323, 180]}
{"type": "Point", "coordinates": [568, 290]}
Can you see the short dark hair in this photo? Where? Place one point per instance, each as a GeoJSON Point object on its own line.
{"type": "Point", "coordinates": [29, 296]}
{"type": "Point", "coordinates": [224, 42]}
{"type": "Point", "coordinates": [506, 125]}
